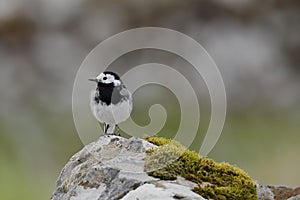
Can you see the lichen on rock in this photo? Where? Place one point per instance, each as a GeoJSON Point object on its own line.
{"type": "Point", "coordinates": [214, 180]}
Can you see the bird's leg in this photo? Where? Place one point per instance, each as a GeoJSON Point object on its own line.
{"type": "Point", "coordinates": [105, 128]}
{"type": "Point", "coordinates": [110, 129]}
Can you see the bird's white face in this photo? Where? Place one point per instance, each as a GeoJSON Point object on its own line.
{"type": "Point", "coordinates": [108, 79]}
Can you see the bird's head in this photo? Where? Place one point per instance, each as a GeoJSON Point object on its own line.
{"type": "Point", "coordinates": [107, 78]}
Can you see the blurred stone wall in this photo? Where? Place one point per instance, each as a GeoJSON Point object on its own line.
{"type": "Point", "coordinates": [255, 44]}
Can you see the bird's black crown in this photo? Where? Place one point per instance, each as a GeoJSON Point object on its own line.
{"type": "Point", "coordinates": [112, 73]}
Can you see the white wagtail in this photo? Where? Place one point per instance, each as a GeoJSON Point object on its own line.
{"type": "Point", "coordinates": [111, 101]}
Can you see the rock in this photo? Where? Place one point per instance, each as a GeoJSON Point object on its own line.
{"type": "Point", "coordinates": [282, 192]}
{"type": "Point", "coordinates": [113, 168]}
{"type": "Point", "coordinates": [264, 192]}
{"type": "Point", "coordinates": [279, 192]}
{"type": "Point", "coordinates": [163, 190]}
{"type": "Point", "coordinates": [297, 197]}
{"type": "Point", "coordinates": [294, 197]}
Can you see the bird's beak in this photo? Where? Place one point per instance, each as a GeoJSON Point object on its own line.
{"type": "Point", "coordinates": [93, 79]}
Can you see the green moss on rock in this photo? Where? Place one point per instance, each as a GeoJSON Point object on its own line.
{"type": "Point", "coordinates": [219, 181]}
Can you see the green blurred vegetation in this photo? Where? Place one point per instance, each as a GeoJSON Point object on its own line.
{"type": "Point", "coordinates": [28, 167]}
{"type": "Point", "coordinates": [266, 145]}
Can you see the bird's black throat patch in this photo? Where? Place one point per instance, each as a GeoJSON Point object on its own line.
{"type": "Point", "coordinates": [108, 93]}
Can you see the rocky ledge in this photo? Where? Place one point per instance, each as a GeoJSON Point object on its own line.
{"type": "Point", "coordinates": [113, 168]}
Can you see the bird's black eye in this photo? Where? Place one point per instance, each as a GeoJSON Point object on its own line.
{"type": "Point", "coordinates": [104, 78]}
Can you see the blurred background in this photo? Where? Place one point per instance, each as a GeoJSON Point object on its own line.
{"type": "Point", "coordinates": [255, 44]}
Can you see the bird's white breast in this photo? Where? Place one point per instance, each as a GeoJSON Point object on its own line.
{"type": "Point", "coordinates": [113, 113]}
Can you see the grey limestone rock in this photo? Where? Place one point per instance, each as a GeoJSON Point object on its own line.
{"type": "Point", "coordinates": [294, 197]}
{"type": "Point", "coordinates": [113, 168]}
{"type": "Point", "coordinates": [264, 192]}
{"type": "Point", "coordinates": [277, 192]}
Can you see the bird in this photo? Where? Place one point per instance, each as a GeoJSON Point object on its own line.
{"type": "Point", "coordinates": [111, 101]}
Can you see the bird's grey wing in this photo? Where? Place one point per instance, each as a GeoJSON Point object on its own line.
{"type": "Point", "coordinates": [125, 92]}
{"type": "Point", "coordinates": [127, 95]}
